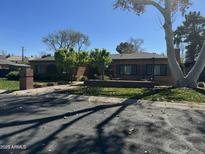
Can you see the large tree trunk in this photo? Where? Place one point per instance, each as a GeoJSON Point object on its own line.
{"type": "Point", "coordinates": [191, 79]}
{"type": "Point", "coordinates": [194, 74]}
{"type": "Point", "coordinates": [173, 64]}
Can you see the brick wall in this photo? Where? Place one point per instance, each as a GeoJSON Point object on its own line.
{"type": "Point", "coordinates": [45, 74]}
{"type": "Point", "coordinates": [81, 71]}
{"type": "Point", "coordinates": [141, 75]}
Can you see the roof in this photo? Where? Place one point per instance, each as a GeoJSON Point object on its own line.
{"type": "Point", "coordinates": [2, 57]}
{"type": "Point", "coordinates": [137, 55]}
{"type": "Point", "coordinates": [50, 58]}
{"type": "Point", "coordinates": [14, 58]}
{"type": "Point", "coordinates": [31, 58]}
{"type": "Point", "coordinates": [6, 62]}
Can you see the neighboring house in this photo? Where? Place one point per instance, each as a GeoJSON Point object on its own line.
{"type": "Point", "coordinates": [44, 68]}
{"type": "Point", "coordinates": [2, 57]}
{"type": "Point", "coordinates": [17, 59]}
{"type": "Point", "coordinates": [142, 66]}
{"type": "Point", "coordinates": [7, 66]}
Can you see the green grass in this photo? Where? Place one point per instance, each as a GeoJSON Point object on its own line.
{"type": "Point", "coordinates": [178, 94]}
{"type": "Point", "coordinates": [9, 85]}
{"type": "Point", "coordinates": [170, 94]}
{"type": "Point", "coordinates": [12, 85]}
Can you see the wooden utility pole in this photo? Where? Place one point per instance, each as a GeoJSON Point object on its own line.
{"type": "Point", "coordinates": [22, 49]}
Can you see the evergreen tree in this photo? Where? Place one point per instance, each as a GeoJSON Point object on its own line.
{"type": "Point", "coordinates": [192, 34]}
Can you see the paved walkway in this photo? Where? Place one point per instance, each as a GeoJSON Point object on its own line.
{"type": "Point", "coordinates": [46, 90]}
{"type": "Point", "coordinates": [69, 124]}
{"type": "Point", "coordinates": [2, 91]}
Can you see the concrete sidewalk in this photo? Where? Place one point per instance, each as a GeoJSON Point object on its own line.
{"type": "Point", "coordinates": [2, 91]}
{"type": "Point", "coordinates": [142, 103]}
{"type": "Point", "coordinates": [46, 90]}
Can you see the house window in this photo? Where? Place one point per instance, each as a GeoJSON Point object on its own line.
{"type": "Point", "coordinates": [128, 69]}
{"type": "Point", "coordinates": [158, 70]}
{"type": "Point", "coordinates": [149, 69]}
{"type": "Point", "coordinates": [39, 69]}
{"type": "Point", "coordinates": [163, 70]}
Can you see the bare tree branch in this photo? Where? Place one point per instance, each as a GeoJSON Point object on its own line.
{"type": "Point", "coordinates": [66, 39]}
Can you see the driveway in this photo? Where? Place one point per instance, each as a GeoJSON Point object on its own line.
{"type": "Point", "coordinates": [59, 123]}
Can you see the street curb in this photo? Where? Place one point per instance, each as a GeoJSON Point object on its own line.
{"type": "Point", "coordinates": [142, 103]}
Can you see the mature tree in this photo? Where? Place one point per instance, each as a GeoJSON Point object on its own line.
{"type": "Point", "coordinates": [67, 60]}
{"type": "Point", "coordinates": [66, 39]}
{"type": "Point", "coordinates": [191, 34]}
{"type": "Point", "coordinates": [137, 43]}
{"type": "Point", "coordinates": [166, 8]}
{"type": "Point", "coordinates": [46, 55]}
{"type": "Point", "coordinates": [83, 58]}
{"type": "Point", "coordinates": [131, 46]}
{"type": "Point", "coordinates": [125, 48]}
{"type": "Point", "coordinates": [81, 40]}
{"type": "Point", "coordinates": [101, 60]}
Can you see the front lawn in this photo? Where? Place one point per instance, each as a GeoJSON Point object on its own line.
{"type": "Point", "coordinates": [168, 94]}
{"type": "Point", "coordinates": [12, 85]}
{"type": "Point", "coordinates": [9, 85]}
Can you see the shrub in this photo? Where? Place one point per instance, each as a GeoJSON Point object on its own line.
{"type": "Point", "coordinates": [83, 78]}
{"type": "Point", "coordinates": [95, 91]}
{"type": "Point", "coordinates": [52, 84]}
{"type": "Point", "coordinates": [63, 82]}
{"type": "Point", "coordinates": [39, 85]}
{"type": "Point", "coordinates": [201, 85]}
{"type": "Point", "coordinates": [13, 75]}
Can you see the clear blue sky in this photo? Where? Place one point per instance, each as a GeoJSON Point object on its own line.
{"type": "Point", "coordinates": [25, 22]}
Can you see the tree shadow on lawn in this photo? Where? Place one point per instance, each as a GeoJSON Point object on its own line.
{"type": "Point", "coordinates": [153, 94]}
{"type": "Point", "coordinates": [98, 91]}
{"type": "Point", "coordinates": [169, 94]}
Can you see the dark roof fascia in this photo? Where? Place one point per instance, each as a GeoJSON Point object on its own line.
{"type": "Point", "coordinates": [41, 60]}
{"type": "Point", "coordinates": [141, 58]}
{"type": "Point", "coordinates": [9, 63]}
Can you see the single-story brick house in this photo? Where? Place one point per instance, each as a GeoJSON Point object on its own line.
{"type": "Point", "coordinates": [142, 66]}
{"type": "Point", "coordinates": [135, 66]}
{"type": "Point", "coordinates": [7, 66]}
{"type": "Point", "coordinates": [46, 69]}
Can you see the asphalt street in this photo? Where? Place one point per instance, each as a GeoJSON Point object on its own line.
{"type": "Point", "coordinates": [74, 125]}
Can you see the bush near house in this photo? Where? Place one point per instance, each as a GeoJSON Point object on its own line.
{"type": "Point", "coordinates": [13, 75]}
